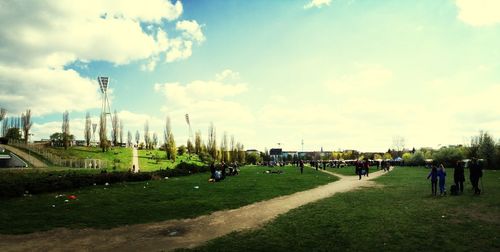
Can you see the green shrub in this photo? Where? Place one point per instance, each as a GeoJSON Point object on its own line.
{"type": "Point", "coordinates": [18, 183]}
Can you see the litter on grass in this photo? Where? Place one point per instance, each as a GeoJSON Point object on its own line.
{"type": "Point", "coordinates": [196, 187]}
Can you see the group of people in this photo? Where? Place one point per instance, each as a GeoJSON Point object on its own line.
{"type": "Point", "coordinates": [362, 167]}
{"type": "Point", "coordinates": [224, 170]}
{"type": "Point", "coordinates": [438, 176]}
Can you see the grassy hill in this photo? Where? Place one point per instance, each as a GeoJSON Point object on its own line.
{"type": "Point", "coordinates": [124, 155]}
{"type": "Point", "coordinates": [147, 162]}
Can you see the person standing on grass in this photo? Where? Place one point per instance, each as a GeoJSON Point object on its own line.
{"type": "Point", "coordinates": [433, 175]}
{"type": "Point", "coordinates": [212, 170]}
{"type": "Point", "coordinates": [458, 176]}
{"type": "Point", "coordinates": [301, 163]}
{"type": "Point", "coordinates": [442, 180]}
{"type": "Point", "coordinates": [475, 174]}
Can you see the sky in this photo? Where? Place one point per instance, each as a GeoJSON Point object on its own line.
{"type": "Point", "coordinates": [337, 74]}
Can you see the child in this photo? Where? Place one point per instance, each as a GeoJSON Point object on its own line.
{"type": "Point", "coordinates": [433, 175]}
{"type": "Point", "coordinates": [442, 176]}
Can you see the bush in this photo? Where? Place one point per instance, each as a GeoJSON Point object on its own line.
{"type": "Point", "coordinates": [18, 183]}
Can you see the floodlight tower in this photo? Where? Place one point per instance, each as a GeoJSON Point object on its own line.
{"type": "Point", "coordinates": [105, 108]}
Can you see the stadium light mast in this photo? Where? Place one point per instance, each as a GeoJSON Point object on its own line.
{"type": "Point", "coordinates": [105, 108]}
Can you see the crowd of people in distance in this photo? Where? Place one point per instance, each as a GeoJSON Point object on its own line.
{"type": "Point", "coordinates": [220, 172]}
{"type": "Point", "coordinates": [437, 176]}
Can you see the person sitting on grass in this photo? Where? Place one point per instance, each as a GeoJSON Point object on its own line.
{"type": "Point", "coordinates": [212, 170]}
{"type": "Point", "coordinates": [433, 175]}
{"type": "Point", "coordinates": [442, 180]}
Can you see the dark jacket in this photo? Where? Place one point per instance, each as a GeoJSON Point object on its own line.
{"type": "Point", "coordinates": [458, 174]}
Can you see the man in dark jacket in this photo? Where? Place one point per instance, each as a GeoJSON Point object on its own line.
{"type": "Point", "coordinates": [475, 174]}
{"type": "Point", "coordinates": [459, 176]}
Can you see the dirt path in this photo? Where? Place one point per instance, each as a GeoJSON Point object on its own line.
{"type": "Point", "coordinates": [135, 160]}
{"type": "Point", "coordinates": [172, 234]}
{"type": "Point", "coordinates": [25, 156]}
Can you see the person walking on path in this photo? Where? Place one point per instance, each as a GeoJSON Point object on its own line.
{"type": "Point", "coordinates": [358, 169]}
{"type": "Point", "coordinates": [442, 180]}
{"type": "Point", "coordinates": [458, 176]}
{"type": "Point", "coordinates": [433, 176]}
{"type": "Point", "coordinates": [301, 163]}
{"type": "Point", "coordinates": [366, 166]}
{"type": "Point", "coordinates": [475, 174]}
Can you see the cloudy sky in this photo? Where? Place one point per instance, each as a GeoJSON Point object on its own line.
{"type": "Point", "coordinates": [339, 74]}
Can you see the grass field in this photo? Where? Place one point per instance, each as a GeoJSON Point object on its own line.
{"type": "Point", "coordinates": [147, 163]}
{"type": "Point", "coordinates": [78, 152]}
{"type": "Point", "coordinates": [401, 215]}
{"type": "Point", "coordinates": [141, 202]}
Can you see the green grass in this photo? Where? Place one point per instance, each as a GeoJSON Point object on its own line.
{"type": "Point", "coordinates": [141, 202]}
{"type": "Point", "coordinates": [79, 152]}
{"type": "Point", "coordinates": [147, 163]}
{"type": "Point", "coordinates": [400, 216]}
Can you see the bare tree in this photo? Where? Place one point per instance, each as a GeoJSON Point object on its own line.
{"type": "Point", "coordinates": [233, 153]}
{"type": "Point", "coordinates": [87, 132]}
{"type": "Point", "coordinates": [398, 143]}
{"type": "Point", "coordinates": [3, 112]}
{"type": "Point", "coordinates": [223, 148]}
{"type": "Point", "coordinates": [129, 138]}
{"type": "Point", "coordinates": [121, 131]}
{"type": "Point", "coordinates": [146, 134]}
{"type": "Point", "coordinates": [115, 129]}
{"type": "Point", "coordinates": [197, 142]}
{"type": "Point", "coordinates": [137, 137]}
{"type": "Point", "coordinates": [212, 142]}
{"type": "Point", "coordinates": [170, 148]}
{"type": "Point", "coordinates": [27, 123]}
{"type": "Point", "coordinates": [65, 129]}
{"type": "Point", "coordinates": [103, 139]}
{"type": "Point", "coordinates": [155, 140]}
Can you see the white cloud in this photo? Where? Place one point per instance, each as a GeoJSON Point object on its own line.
{"type": "Point", "coordinates": [317, 4]}
{"type": "Point", "coordinates": [191, 29]}
{"type": "Point", "coordinates": [199, 90]}
{"type": "Point", "coordinates": [45, 90]}
{"type": "Point", "coordinates": [227, 74]}
{"type": "Point", "coordinates": [366, 80]}
{"type": "Point", "coordinates": [479, 12]}
{"type": "Point", "coordinates": [36, 49]}
{"type": "Point", "coordinates": [209, 101]}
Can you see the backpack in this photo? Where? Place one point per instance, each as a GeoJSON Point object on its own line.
{"type": "Point", "coordinates": [453, 190]}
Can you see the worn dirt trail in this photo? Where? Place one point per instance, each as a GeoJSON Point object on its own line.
{"type": "Point", "coordinates": [135, 160]}
{"type": "Point", "coordinates": [25, 156]}
{"type": "Point", "coordinates": [173, 234]}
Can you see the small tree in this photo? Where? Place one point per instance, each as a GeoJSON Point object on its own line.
{"type": "Point", "coordinates": [129, 138]}
{"type": "Point", "coordinates": [115, 129]}
{"type": "Point", "coordinates": [146, 135]}
{"type": "Point", "coordinates": [212, 143]}
{"type": "Point", "coordinates": [181, 150]}
{"type": "Point", "coordinates": [87, 132]}
{"type": "Point", "coordinates": [190, 147]}
{"type": "Point", "coordinates": [13, 134]}
{"type": "Point", "coordinates": [26, 121]}
{"type": "Point", "coordinates": [137, 137]}
{"type": "Point", "coordinates": [103, 139]}
{"type": "Point", "coordinates": [65, 129]}
{"type": "Point", "coordinates": [121, 131]}
{"type": "Point", "coordinates": [154, 143]}
{"type": "Point", "coordinates": [197, 143]}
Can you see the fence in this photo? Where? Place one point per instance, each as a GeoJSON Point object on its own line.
{"type": "Point", "coordinates": [56, 160]}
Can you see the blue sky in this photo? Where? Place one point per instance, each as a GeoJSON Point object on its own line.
{"type": "Point", "coordinates": [340, 74]}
